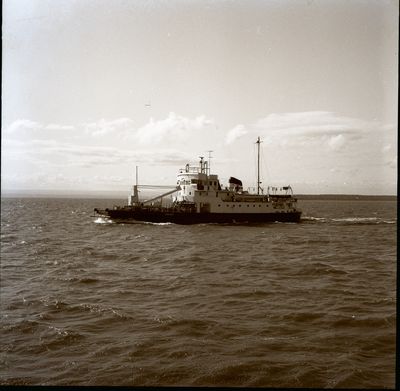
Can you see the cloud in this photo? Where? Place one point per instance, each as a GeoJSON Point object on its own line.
{"type": "Point", "coordinates": [313, 123]}
{"type": "Point", "coordinates": [174, 127]}
{"type": "Point", "coordinates": [307, 129]}
{"type": "Point", "coordinates": [22, 125]}
{"type": "Point", "coordinates": [298, 145]}
{"type": "Point", "coordinates": [98, 154]}
{"type": "Point", "coordinates": [392, 163]}
{"type": "Point", "coordinates": [177, 128]}
{"type": "Point", "coordinates": [235, 133]}
{"type": "Point", "coordinates": [315, 144]}
{"type": "Point", "coordinates": [106, 142]}
{"type": "Point", "coordinates": [120, 127]}
{"type": "Point", "coordinates": [336, 142]}
{"type": "Point", "coordinates": [59, 128]}
{"type": "Point", "coordinates": [62, 154]}
{"type": "Point", "coordinates": [24, 130]}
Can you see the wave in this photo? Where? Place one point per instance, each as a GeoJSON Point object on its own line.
{"type": "Point", "coordinates": [151, 223]}
{"type": "Point", "coordinates": [314, 219]}
{"type": "Point", "coordinates": [103, 310]}
{"type": "Point", "coordinates": [349, 220]}
{"type": "Point", "coordinates": [103, 220]}
{"type": "Point", "coordinates": [25, 326]}
{"type": "Point", "coordinates": [363, 220]}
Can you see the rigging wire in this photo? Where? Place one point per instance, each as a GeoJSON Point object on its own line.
{"type": "Point", "coordinates": [255, 165]}
{"type": "Point", "coordinates": [264, 165]}
{"type": "Point", "coordinates": [265, 175]}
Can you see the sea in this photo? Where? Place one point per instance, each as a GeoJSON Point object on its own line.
{"type": "Point", "coordinates": [89, 302]}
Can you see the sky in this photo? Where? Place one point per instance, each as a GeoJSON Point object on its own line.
{"type": "Point", "coordinates": [93, 88]}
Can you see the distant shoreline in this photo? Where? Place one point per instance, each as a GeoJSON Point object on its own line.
{"type": "Point", "coordinates": [346, 197]}
{"type": "Point", "coordinates": [112, 195]}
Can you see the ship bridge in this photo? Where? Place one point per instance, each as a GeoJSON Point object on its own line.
{"type": "Point", "coordinates": [192, 178]}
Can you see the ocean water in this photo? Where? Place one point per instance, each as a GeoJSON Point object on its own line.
{"type": "Point", "coordinates": [88, 302]}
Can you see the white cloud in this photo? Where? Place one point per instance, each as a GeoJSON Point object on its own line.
{"type": "Point", "coordinates": [387, 148]}
{"type": "Point", "coordinates": [24, 130]}
{"type": "Point", "coordinates": [22, 125]}
{"type": "Point", "coordinates": [59, 128]}
{"type": "Point", "coordinates": [310, 145]}
{"type": "Point", "coordinates": [62, 154]}
{"type": "Point", "coordinates": [297, 145]}
{"type": "Point", "coordinates": [315, 128]}
{"type": "Point", "coordinates": [119, 127]}
{"type": "Point", "coordinates": [177, 128]}
{"type": "Point", "coordinates": [104, 148]}
{"type": "Point", "coordinates": [313, 124]}
{"type": "Point", "coordinates": [337, 142]}
{"type": "Point", "coordinates": [392, 163]}
{"type": "Point", "coordinates": [235, 133]}
{"type": "Point", "coordinates": [174, 127]}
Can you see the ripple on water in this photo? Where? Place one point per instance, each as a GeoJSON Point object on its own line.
{"type": "Point", "coordinates": [279, 305]}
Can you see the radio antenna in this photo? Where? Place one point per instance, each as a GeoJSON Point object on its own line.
{"type": "Point", "coordinates": [209, 161]}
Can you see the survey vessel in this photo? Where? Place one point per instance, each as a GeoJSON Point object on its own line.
{"type": "Point", "coordinates": [199, 197]}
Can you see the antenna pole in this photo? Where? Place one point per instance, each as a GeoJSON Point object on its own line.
{"type": "Point", "coordinates": [258, 164]}
{"type": "Point", "coordinates": [136, 175]}
{"type": "Point", "coordinates": [209, 162]}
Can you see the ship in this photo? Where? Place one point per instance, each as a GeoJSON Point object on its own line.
{"type": "Point", "coordinates": [199, 197]}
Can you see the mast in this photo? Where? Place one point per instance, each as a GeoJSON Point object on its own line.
{"type": "Point", "coordinates": [258, 142]}
{"type": "Point", "coordinates": [201, 164]}
{"type": "Point", "coordinates": [135, 197]}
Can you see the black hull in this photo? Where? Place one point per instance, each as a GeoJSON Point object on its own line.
{"type": "Point", "coordinates": [132, 215]}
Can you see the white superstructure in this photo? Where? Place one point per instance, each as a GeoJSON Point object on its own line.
{"type": "Point", "coordinates": [206, 192]}
{"type": "Point", "coordinates": [201, 192]}
{"type": "Point", "coordinates": [199, 197]}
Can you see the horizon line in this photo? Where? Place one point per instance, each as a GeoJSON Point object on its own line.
{"type": "Point", "coordinates": [43, 193]}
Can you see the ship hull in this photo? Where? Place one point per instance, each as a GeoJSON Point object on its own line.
{"type": "Point", "coordinates": [157, 216]}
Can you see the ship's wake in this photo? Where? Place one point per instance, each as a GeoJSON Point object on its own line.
{"type": "Point", "coordinates": [103, 220]}
{"type": "Point", "coordinates": [349, 220]}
